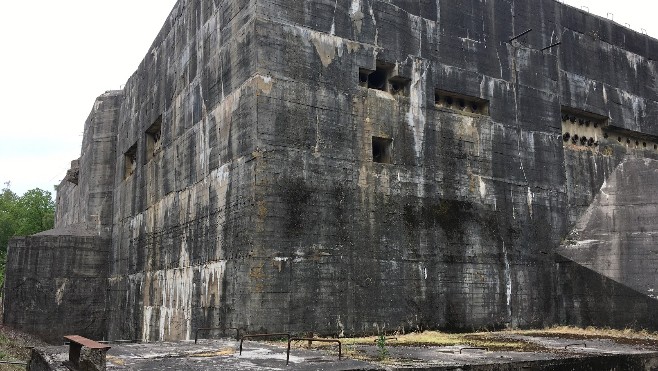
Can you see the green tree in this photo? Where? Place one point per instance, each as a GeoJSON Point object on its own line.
{"type": "Point", "coordinates": [25, 215]}
{"type": "Point", "coordinates": [35, 212]}
{"type": "Point", "coordinates": [8, 200]}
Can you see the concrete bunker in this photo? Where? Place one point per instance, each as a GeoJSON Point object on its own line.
{"type": "Point", "coordinates": [235, 164]}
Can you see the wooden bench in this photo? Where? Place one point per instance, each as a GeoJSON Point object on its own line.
{"type": "Point", "coordinates": [76, 343]}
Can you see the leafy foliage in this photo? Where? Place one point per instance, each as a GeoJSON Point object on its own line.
{"type": "Point", "coordinates": [381, 346]}
{"type": "Point", "coordinates": [25, 215]}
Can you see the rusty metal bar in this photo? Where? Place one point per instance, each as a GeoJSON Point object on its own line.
{"type": "Point", "coordinates": [263, 336]}
{"type": "Point", "coordinates": [576, 344]}
{"type": "Point", "coordinates": [310, 340]}
{"type": "Point", "coordinates": [552, 46]}
{"type": "Point", "coordinates": [521, 35]}
{"type": "Point", "coordinates": [473, 348]}
{"type": "Point", "coordinates": [196, 334]}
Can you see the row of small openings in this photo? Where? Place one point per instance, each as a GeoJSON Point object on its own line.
{"type": "Point", "coordinates": [382, 78]}
{"type": "Point", "coordinates": [153, 146]}
{"type": "Point", "coordinates": [461, 103]}
{"type": "Point", "coordinates": [630, 142]}
{"type": "Point", "coordinates": [582, 140]}
{"type": "Point", "coordinates": [582, 121]}
{"type": "Point", "coordinates": [582, 128]}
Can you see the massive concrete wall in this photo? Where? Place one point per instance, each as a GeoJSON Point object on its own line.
{"type": "Point", "coordinates": [459, 230]}
{"type": "Point", "coordinates": [56, 285]}
{"type": "Point", "coordinates": [182, 217]}
{"type": "Point", "coordinates": [352, 165]}
{"type": "Point", "coordinates": [452, 233]}
{"type": "Point", "coordinates": [606, 264]}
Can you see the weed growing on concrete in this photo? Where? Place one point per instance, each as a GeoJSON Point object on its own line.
{"type": "Point", "coordinates": [381, 347]}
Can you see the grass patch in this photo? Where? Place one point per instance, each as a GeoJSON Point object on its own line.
{"type": "Point", "coordinates": [442, 339]}
{"type": "Point", "coordinates": [492, 341]}
{"type": "Point", "coordinates": [626, 336]}
{"type": "Point", "coordinates": [593, 331]}
{"type": "Point", "coordinates": [382, 346]}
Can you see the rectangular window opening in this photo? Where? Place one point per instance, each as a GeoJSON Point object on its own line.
{"type": "Point", "coordinates": [383, 78]}
{"type": "Point", "coordinates": [399, 85]}
{"type": "Point", "coordinates": [381, 150]}
{"type": "Point", "coordinates": [130, 161]}
{"type": "Point", "coordinates": [461, 103]}
{"type": "Point", "coordinates": [153, 139]}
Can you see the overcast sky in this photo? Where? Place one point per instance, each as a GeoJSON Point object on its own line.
{"type": "Point", "coordinates": [58, 56]}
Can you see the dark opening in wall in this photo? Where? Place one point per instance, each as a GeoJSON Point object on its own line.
{"type": "Point", "coordinates": [130, 161]}
{"type": "Point", "coordinates": [382, 78]}
{"type": "Point", "coordinates": [461, 103]}
{"type": "Point", "coordinates": [381, 150]}
{"type": "Point", "coordinates": [363, 77]}
{"type": "Point", "coordinates": [153, 136]}
{"type": "Point", "coordinates": [377, 79]}
{"type": "Point", "coordinates": [398, 85]}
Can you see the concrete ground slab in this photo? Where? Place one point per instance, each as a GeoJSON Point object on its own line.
{"type": "Point", "coordinates": [554, 353]}
{"type": "Point", "coordinates": [224, 355]}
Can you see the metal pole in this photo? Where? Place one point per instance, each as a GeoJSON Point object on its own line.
{"type": "Point", "coordinates": [520, 35]}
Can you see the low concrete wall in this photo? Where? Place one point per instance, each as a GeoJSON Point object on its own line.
{"type": "Point", "coordinates": [57, 285]}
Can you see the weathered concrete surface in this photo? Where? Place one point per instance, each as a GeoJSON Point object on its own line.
{"type": "Point", "coordinates": [599, 355]}
{"type": "Point", "coordinates": [85, 201]}
{"type": "Point", "coordinates": [58, 285]}
{"type": "Point", "coordinates": [616, 239]}
{"type": "Point", "coordinates": [48, 359]}
{"type": "Point", "coordinates": [346, 166]}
